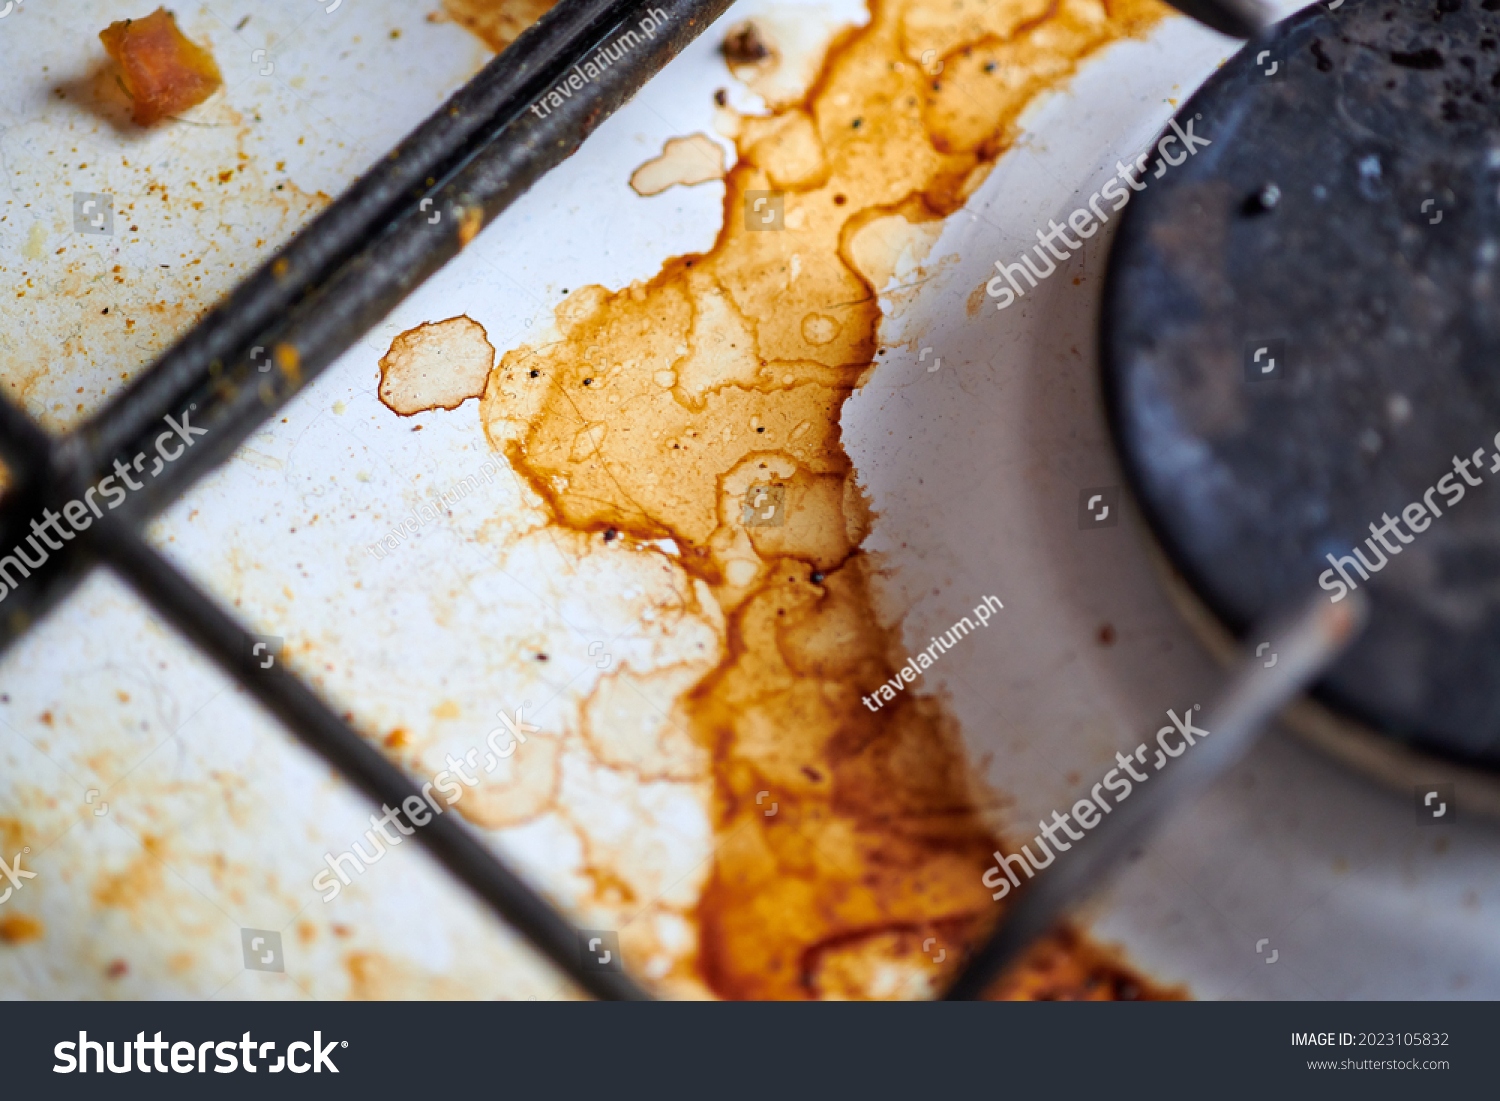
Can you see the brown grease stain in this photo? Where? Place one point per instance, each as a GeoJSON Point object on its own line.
{"type": "Point", "coordinates": [849, 844]}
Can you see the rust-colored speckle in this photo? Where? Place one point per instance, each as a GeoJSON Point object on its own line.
{"type": "Point", "coordinates": [975, 302]}
{"type": "Point", "coordinates": [139, 886]}
{"type": "Point", "coordinates": [20, 928]}
{"type": "Point", "coordinates": [13, 836]}
{"type": "Point", "coordinates": [289, 362]}
{"type": "Point", "coordinates": [469, 225]}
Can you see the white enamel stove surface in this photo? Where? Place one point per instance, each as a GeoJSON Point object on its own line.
{"type": "Point", "coordinates": [216, 822]}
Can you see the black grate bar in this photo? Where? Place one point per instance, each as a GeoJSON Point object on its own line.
{"type": "Point", "coordinates": [1308, 641]}
{"type": "Point", "coordinates": [25, 448]}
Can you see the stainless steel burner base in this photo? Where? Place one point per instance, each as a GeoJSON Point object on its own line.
{"type": "Point", "coordinates": [1353, 743]}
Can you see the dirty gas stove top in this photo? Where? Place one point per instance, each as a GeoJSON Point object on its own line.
{"type": "Point", "coordinates": [559, 531]}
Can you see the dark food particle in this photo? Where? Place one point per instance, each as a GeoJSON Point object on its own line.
{"type": "Point", "coordinates": [1427, 58]}
{"type": "Point", "coordinates": [1264, 200]}
{"type": "Point", "coordinates": [744, 45]}
{"type": "Point", "coordinates": [721, 97]}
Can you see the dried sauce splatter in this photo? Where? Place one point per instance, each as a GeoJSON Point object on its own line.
{"type": "Point", "coordinates": [439, 365]}
{"type": "Point", "coordinates": [692, 160]}
{"type": "Point", "coordinates": [703, 407]}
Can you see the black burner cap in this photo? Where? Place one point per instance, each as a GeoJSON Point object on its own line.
{"type": "Point", "coordinates": [1301, 338]}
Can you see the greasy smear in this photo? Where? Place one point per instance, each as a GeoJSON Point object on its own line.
{"type": "Point", "coordinates": [162, 70]}
{"type": "Point", "coordinates": [439, 365]}
{"type": "Point", "coordinates": [687, 161]}
{"type": "Point", "coordinates": [498, 24]}
{"type": "Point", "coordinates": [702, 407]}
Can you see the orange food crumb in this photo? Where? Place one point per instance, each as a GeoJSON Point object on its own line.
{"type": "Point", "coordinates": [163, 71]}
